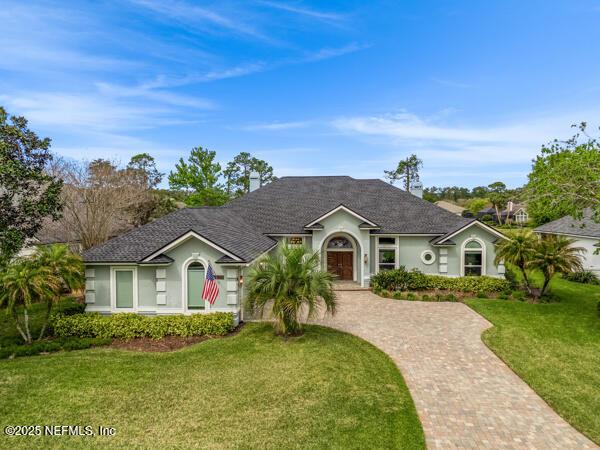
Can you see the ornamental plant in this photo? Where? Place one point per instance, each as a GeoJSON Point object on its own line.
{"type": "Point", "coordinates": [286, 282]}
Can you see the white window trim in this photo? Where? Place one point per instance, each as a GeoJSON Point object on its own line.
{"type": "Point", "coordinates": [483, 255]}
{"type": "Point", "coordinates": [113, 288]}
{"type": "Point", "coordinates": [395, 247]}
{"type": "Point", "coordinates": [184, 284]}
{"type": "Point", "coordinates": [428, 252]}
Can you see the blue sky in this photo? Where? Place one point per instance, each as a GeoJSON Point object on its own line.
{"type": "Point", "coordinates": [316, 88]}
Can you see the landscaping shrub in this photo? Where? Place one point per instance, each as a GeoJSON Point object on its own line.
{"type": "Point", "coordinates": [450, 298]}
{"type": "Point", "coordinates": [69, 307]}
{"type": "Point", "coordinates": [67, 344]}
{"type": "Point", "coordinates": [385, 293]}
{"type": "Point", "coordinates": [403, 280]}
{"type": "Point", "coordinates": [511, 277]}
{"type": "Point", "coordinates": [129, 325]}
{"type": "Point", "coordinates": [583, 276]}
{"type": "Point", "coordinates": [398, 295]}
{"type": "Point", "coordinates": [482, 294]}
{"type": "Point", "coordinates": [411, 296]}
{"type": "Point", "coordinates": [425, 298]}
{"type": "Point", "coordinates": [518, 295]}
{"type": "Point", "coordinates": [503, 296]}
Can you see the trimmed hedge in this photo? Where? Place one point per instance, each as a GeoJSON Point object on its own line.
{"type": "Point", "coordinates": [50, 346]}
{"type": "Point", "coordinates": [131, 325]}
{"type": "Point", "coordinates": [403, 280]}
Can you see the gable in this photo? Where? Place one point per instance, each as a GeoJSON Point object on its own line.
{"type": "Point", "coordinates": [341, 209]}
{"type": "Point", "coordinates": [191, 235]}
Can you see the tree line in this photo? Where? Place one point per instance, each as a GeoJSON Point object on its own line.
{"type": "Point", "coordinates": [564, 180]}
{"type": "Point", "coordinates": [96, 200]}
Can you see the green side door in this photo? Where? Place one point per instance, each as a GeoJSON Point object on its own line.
{"type": "Point", "coordinates": [195, 279]}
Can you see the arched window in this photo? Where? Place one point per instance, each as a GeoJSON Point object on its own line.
{"type": "Point", "coordinates": [195, 284]}
{"type": "Point", "coordinates": [339, 243]}
{"type": "Point", "coordinates": [473, 259]}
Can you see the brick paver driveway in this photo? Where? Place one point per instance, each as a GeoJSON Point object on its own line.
{"type": "Point", "coordinates": [466, 396]}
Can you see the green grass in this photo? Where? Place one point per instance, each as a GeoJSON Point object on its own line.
{"type": "Point", "coordinates": [554, 347]}
{"type": "Point", "coordinates": [252, 390]}
{"type": "Point", "coordinates": [8, 331]}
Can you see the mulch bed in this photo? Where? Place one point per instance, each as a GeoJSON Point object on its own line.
{"type": "Point", "coordinates": [166, 344]}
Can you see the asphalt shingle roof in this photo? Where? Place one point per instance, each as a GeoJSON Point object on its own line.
{"type": "Point", "coordinates": [219, 225]}
{"type": "Point", "coordinates": [282, 207]}
{"type": "Point", "coordinates": [568, 225]}
{"type": "Point", "coordinates": [288, 204]}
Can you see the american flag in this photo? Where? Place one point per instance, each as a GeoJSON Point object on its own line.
{"type": "Point", "coordinates": [210, 292]}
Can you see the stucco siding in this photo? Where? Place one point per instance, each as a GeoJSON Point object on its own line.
{"type": "Point", "coordinates": [146, 287]}
{"type": "Point", "coordinates": [182, 254]}
{"type": "Point", "coordinates": [163, 293]}
{"type": "Point", "coordinates": [455, 252]}
{"type": "Point", "coordinates": [411, 248]}
{"type": "Point", "coordinates": [98, 285]}
{"type": "Point", "coordinates": [590, 260]}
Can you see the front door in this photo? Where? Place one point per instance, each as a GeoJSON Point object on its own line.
{"type": "Point", "coordinates": [340, 264]}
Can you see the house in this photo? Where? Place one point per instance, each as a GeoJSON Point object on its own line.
{"type": "Point", "coordinates": [585, 232]}
{"type": "Point", "coordinates": [453, 208]}
{"type": "Point", "coordinates": [52, 232]}
{"type": "Point", "coordinates": [359, 227]}
{"type": "Point", "coordinates": [513, 213]}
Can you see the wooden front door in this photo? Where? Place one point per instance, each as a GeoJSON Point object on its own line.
{"type": "Point", "coordinates": [340, 264]}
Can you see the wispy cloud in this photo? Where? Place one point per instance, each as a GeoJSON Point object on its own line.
{"type": "Point", "coordinates": [303, 11]}
{"type": "Point", "coordinates": [457, 149]}
{"type": "Point", "coordinates": [327, 52]}
{"type": "Point", "coordinates": [158, 96]}
{"type": "Point", "coordinates": [200, 18]}
{"type": "Point", "coordinates": [86, 112]}
{"type": "Point", "coordinates": [276, 126]}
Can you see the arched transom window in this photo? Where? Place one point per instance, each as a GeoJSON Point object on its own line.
{"type": "Point", "coordinates": [339, 242]}
{"type": "Point", "coordinates": [473, 259]}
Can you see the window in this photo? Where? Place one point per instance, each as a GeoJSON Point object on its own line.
{"type": "Point", "coordinates": [521, 216]}
{"type": "Point", "coordinates": [386, 258]}
{"type": "Point", "coordinates": [339, 242]}
{"type": "Point", "coordinates": [295, 241]}
{"type": "Point", "coordinates": [124, 288]}
{"type": "Point", "coordinates": [195, 284]}
{"type": "Point", "coordinates": [473, 259]}
{"type": "Point", "coordinates": [428, 257]}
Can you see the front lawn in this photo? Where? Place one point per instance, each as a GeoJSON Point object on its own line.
{"type": "Point", "coordinates": [554, 347]}
{"type": "Point", "coordinates": [251, 390]}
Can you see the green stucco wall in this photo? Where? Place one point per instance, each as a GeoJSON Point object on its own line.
{"type": "Point", "coordinates": [148, 285]}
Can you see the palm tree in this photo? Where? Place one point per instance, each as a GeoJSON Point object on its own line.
{"type": "Point", "coordinates": [555, 254]}
{"type": "Point", "coordinates": [66, 266]}
{"type": "Point", "coordinates": [288, 281]}
{"type": "Point", "coordinates": [517, 251]}
{"type": "Point", "coordinates": [21, 284]}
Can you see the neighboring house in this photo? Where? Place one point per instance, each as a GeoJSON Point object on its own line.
{"type": "Point", "coordinates": [52, 232]}
{"type": "Point", "coordinates": [359, 227]}
{"type": "Point", "coordinates": [453, 208]}
{"type": "Point", "coordinates": [585, 232]}
{"type": "Point", "coordinates": [514, 213]}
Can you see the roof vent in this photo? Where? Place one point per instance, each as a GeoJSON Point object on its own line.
{"type": "Point", "coordinates": [254, 181]}
{"type": "Point", "coordinates": [417, 189]}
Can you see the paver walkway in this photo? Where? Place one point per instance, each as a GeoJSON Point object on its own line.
{"type": "Point", "coordinates": [466, 397]}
